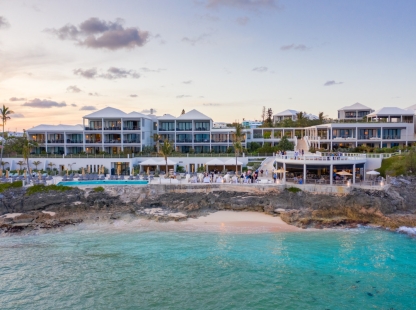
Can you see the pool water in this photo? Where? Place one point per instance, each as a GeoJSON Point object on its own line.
{"type": "Point", "coordinates": [104, 182]}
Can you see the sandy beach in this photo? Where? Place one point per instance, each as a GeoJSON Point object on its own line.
{"type": "Point", "coordinates": [221, 221]}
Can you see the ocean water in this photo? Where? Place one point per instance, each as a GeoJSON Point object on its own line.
{"type": "Point", "coordinates": [145, 269]}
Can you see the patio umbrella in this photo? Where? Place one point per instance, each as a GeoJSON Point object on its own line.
{"type": "Point", "coordinates": [83, 171]}
{"type": "Point", "coordinates": [25, 174]}
{"type": "Point", "coordinates": [30, 171]}
{"type": "Point", "coordinates": [66, 172]}
{"type": "Point", "coordinates": [89, 168]}
{"type": "Point", "coordinates": [39, 176]}
{"type": "Point", "coordinates": [343, 173]}
{"type": "Point", "coordinates": [148, 170]}
{"type": "Point", "coordinates": [280, 170]}
{"type": "Point", "coordinates": [372, 172]}
{"type": "Point", "coordinates": [1, 173]}
{"type": "Point", "coordinates": [7, 174]}
{"type": "Point", "coordinates": [119, 170]}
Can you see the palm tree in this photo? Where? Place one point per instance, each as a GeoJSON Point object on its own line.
{"type": "Point", "coordinates": [36, 163]}
{"type": "Point", "coordinates": [321, 117]}
{"type": "Point", "coordinates": [166, 150]}
{"type": "Point", "coordinates": [51, 164]}
{"type": "Point", "coordinates": [3, 163]}
{"type": "Point", "coordinates": [21, 163]}
{"type": "Point", "coordinates": [5, 113]}
{"type": "Point", "coordinates": [237, 137]}
{"type": "Point", "coordinates": [27, 145]}
{"type": "Point", "coordinates": [156, 138]}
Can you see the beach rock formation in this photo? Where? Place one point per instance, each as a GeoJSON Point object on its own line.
{"type": "Point", "coordinates": [390, 208]}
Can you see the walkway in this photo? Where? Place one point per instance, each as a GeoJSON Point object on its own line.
{"type": "Point", "coordinates": [267, 165]}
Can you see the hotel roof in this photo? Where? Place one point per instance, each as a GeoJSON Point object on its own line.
{"type": "Point", "coordinates": [286, 112]}
{"type": "Point", "coordinates": [193, 115]}
{"type": "Point", "coordinates": [390, 111]}
{"type": "Point", "coordinates": [355, 106]}
{"type": "Point", "coordinates": [61, 127]}
{"type": "Point", "coordinates": [106, 112]}
{"type": "Point", "coordinates": [166, 117]}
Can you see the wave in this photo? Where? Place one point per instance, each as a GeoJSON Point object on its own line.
{"type": "Point", "coordinates": [407, 230]}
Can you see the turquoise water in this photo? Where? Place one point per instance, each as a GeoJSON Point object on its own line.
{"type": "Point", "coordinates": [87, 269]}
{"type": "Point", "coordinates": [107, 182]}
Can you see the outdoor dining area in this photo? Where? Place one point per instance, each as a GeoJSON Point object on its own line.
{"type": "Point", "coordinates": [28, 177]}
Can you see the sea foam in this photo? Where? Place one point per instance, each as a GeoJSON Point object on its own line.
{"type": "Point", "coordinates": [407, 230]}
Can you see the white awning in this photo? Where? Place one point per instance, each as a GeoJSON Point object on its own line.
{"type": "Point", "coordinates": [215, 162]}
{"type": "Point", "coordinates": [163, 163]}
{"type": "Point", "coordinates": [149, 162]}
{"type": "Point", "coordinates": [231, 162]}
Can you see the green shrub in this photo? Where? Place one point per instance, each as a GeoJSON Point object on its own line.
{"type": "Point", "coordinates": [40, 188]}
{"type": "Point", "coordinates": [293, 189]}
{"type": "Point", "coordinates": [6, 186]}
{"type": "Point", "coordinates": [98, 189]}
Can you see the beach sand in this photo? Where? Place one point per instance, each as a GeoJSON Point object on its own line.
{"type": "Point", "coordinates": [221, 221]}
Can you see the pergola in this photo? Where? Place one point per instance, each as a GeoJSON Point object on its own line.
{"type": "Point", "coordinates": [215, 163]}
{"type": "Point", "coordinates": [162, 164]}
{"type": "Point", "coordinates": [231, 163]}
{"type": "Point", "coordinates": [148, 164]}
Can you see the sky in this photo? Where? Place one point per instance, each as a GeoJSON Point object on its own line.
{"type": "Point", "coordinates": [61, 60]}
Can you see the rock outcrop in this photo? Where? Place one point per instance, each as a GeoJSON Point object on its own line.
{"type": "Point", "coordinates": [392, 208]}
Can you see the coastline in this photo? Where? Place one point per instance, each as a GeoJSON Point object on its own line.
{"type": "Point", "coordinates": [209, 207]}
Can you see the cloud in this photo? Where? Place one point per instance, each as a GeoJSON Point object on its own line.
{"type": "Point", "coordinates": [183, 96]}
{"type": "Point", "coordinates": [148, 111]}
{"type": "Point", "coordinates": [330, 83]}
{"type": "Point", "coordinates": [44, 104]}
{"type": "Point", "coordinates": [88, 74]}
{"type": "Point", "coordinates": [73, 89]}
{"type": "Point", "coordinates": [144, 69]}
{"type": "Point", "coordinates": [3, 22]}
{"type": "Point", "coordinates": [112, 73]}
{"type": "Point", "coordinates": [118, 73]}
{"type": "Point", "coordinates": [133, 95]}
{"type": "Point", "coordinates": [96, 33]}
{"type": "Point", "coordinates": [73, 105]}
{"type": "Point", "coordinates": [195, 40]}
{"type": "Point", "coordinates": [211, 104]}
{"type": "Point", "coordinates": [187, 82]}
{"type": "Point", "coordinates": [296, 47]}
{"type": "Point", "coordinates": [93, 94]}
{"type": "Point", "coordinates": [260, 69]}
{"type": "Point", "coordinates": [17, 99]}
{"type": "Point", "coordinates": [88, 108]}
{"type": "Point", "coordinates": [243, 20]}
{"type": "Point", "coordinates": [243, 4]}
{"type": "Point", "coordinates": [17, 115]}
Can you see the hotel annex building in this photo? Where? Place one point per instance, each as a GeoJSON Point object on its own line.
{"type": "Point", "coordinates": [113, 131]}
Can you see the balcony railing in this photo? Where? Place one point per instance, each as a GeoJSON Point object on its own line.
{"type": "Point", "coordinates": [93, 128]}
{"type": "Point", "coordinates": [74, 141]}
{"type": "Point", "coordinates": [184, 141]}
{"type": "Point", "coordinates": [92, 141]}
{"type": "Point", "coordinates": [112, 141]}
{"type": "Point", "coordinates": [201, 141]}
{"type": "Point", "coordinates": [55, 141]}
{"type": "Point", "coordinates": [132, 128]}
{"type": "Point", "coordinates": [131, 141]}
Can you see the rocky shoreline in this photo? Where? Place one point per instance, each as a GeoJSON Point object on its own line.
{"type": "Point", "coordinates": [391, 208]}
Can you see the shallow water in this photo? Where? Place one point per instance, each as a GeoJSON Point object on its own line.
{"type": "Point", "coordinates": [142, 269]}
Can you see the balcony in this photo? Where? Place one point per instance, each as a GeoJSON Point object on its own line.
{"type": "Point", "coordinates": [392, 137]}
{"type": "Point", "coordinates": [184, 141]}
{"type": "Point", "coordinates": [73, 141]}
{"type": "Point", "coordinates": [201, 141]}
{"type": "Point", "coordinates": [112, 141]}
{"type": "Point", "coordinates": [131, 141]}
{"type": "Point", "coordinates": [93, 128]}
{"type": "Point", "coordinates": [112, 128]}
{"type": "Point", "coordinates": [132, 128]}
{"type": "Point", "coordinates": [55, 141]}
{"type": "Point", "coordinates": [93, 141]}
{"type": "Point", "coordinates": [201, 129]}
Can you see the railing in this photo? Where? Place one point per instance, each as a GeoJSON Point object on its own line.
{"type": "Point", "coordinates": [318, 158]}
{"type": "Point", "coordinates": [55, 141]}
{"type": "Point", "coordinates": [70, 141]}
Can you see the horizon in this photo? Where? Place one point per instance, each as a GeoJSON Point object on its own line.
{"type": "Point", "coordinates": [224, 58]}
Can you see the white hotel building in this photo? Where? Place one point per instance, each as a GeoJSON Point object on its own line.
{"type": "Point", "coordinates": [113, 131]}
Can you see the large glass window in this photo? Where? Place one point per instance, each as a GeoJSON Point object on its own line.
{"type": "Point", "coordinates": [393, 133]}
{"type": "Point", "coordinates": [369, 134]}
{"type": "Point", "coordinates": [202, 138]}
{"type": "Point", "coordinates": [219, 138]}
{"type": "Point", "coordinates": [184, 126]}
{"type": "Point", "coordinates": [131, 125]}
{"type": "Point", "coordinates": [95, 125]}
{"type": "Point", "coordinates": [182, 138]}
{"type": "Point", "coordinates": [74, 138]}
{"type": "Point", "coordinates": [202, 126]}
{"type": "Point", "coordinates": [167, 126]}
{"type": "Point", "coordinates": [131, 138]}
{"type": "Point", "coordinates": [350, 114]}
{"type": "Point", "coordinates": [343, 133]}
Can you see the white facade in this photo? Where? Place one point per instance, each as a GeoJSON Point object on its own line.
{"type": "Point", "coordinates": [357, 111]}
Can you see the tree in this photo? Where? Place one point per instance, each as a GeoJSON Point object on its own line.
{"type": "Point", "coordinates": [27, 145]}
{"type": "Point", "coordinates": [5, 113]}
{"type": "Point", "coordinates": [237, 137]}
{"type": "Point", "coordinates": [156, 138]}
{"type": "Point", "coordinates": [166, 151]}
{"type": "Point", "coordinates": [321, 117]}
{"type": "Point", "coordinates": [51, 164]}
{"type": "Point", "coordinates": [301, 119]}
{"type": "Point", "coordinates": [36, 163]}
{"type": "Point", "coordinates": [183, 112]}
{"type": "Point", "coordinates": [263, 114]}
{"type": "Point", "coordinates": [3, 163]}
{"type": "Point", "coordinates": [285, 144]}
{"type": "Point", "coordinates": [269, 119]}
{"type": "Point", "coordinates": [21, 163]}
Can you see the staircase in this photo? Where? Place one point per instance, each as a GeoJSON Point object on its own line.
{"type": "Point", "coordinates": [302, 145]}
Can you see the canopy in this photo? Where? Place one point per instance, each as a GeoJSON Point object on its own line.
{"type": "Point", "coordinates": [163, 163]}
{"type": "Point", "coordinates": [372, 172]}
{"type": "Point", "coordinates": [344, 173]}
{"type": "Point", "coordinates": [280, 170]}
{"type": "Point", "coordinates": [215, 162]}
{"type": "Point", "coordinates": [149, 162]}
{"type": "Point", "coordinates": [231, 162]}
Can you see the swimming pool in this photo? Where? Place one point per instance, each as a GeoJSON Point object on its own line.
{"type": "Point", "coordinates": [105, 182]}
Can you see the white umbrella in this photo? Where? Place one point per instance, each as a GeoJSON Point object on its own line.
{"type": "Point", "coordinates": [372, 172]}
{"type": "Point", "coordinates": [343, 173]}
